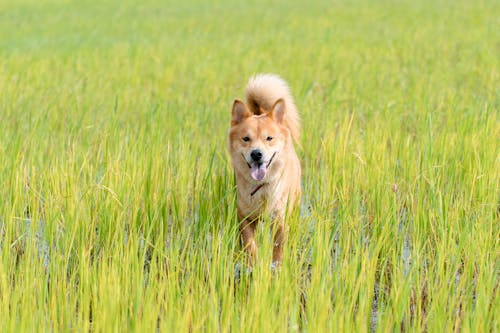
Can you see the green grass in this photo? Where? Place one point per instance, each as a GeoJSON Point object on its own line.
{"type": "Point", "coordinates": [117, 200]}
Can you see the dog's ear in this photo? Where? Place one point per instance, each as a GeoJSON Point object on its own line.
{"type": "Point", "coordinates": [278, 110]}
{"type": "Point", "coordinates": [240, 112]}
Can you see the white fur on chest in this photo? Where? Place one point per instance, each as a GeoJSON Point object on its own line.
{"type": "Point", "coordinates": [268, 200]}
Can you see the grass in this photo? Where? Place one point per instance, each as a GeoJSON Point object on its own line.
{"type": "Point", "coordinates": [117, 201]}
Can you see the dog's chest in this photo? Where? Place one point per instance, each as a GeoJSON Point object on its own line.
{"type": "Point", "coordinates": [266, 199]}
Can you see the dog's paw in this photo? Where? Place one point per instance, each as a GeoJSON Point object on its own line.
{"type": "Point", "coordinates": [241, 271]}
{"type": "Point", "coordinates": [237, 271]}
{"type": "Point", "coordinates": [276, 266]}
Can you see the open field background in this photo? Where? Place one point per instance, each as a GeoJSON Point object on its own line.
{"type": "Point", "coordinates": [117, 201]}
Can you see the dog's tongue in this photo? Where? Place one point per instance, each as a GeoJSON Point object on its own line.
{"type": "Point", "coordinates": [258, 172]}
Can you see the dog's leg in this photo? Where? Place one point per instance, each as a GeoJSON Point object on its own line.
{"type": "Point", "coordinates": [247, 230]}
{"type": "Point", "coordinates": [279, 239]}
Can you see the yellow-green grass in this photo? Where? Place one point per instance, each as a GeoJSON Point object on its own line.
{"type": "Point", "coordinates": [117, 200]}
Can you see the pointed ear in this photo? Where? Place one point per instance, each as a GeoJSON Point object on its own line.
{"type": "Point", "coordinates": [240, 112]}
{"type": "Point", "coordinates": [278, 111]}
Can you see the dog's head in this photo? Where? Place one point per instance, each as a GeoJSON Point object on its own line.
{"type": "Point", "coordinates": [255, 141]}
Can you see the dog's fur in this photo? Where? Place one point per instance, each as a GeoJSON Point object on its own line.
{"type": "Point", "coordinates": [268, 123]}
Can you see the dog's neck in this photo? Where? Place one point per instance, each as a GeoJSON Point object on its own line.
{"type": "Point", "coordinates": [257, 189]}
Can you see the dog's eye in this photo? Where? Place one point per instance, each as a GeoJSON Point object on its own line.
{"type": "Point", "coordinates": [246, 139]}
{"type": "Point", "coordinates": [269, 138]}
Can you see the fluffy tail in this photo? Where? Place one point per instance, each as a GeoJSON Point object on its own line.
{"type": "Point", "coordinates": [263, 90]}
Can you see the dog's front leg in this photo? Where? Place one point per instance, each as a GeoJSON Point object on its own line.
{"type": "Point", "coordinates": [247, 231]}
{"type": "Point", "coordinates": [279, 239]}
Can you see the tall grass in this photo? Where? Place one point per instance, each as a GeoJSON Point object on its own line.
{"type": "Point", "coordinates": [117, 200]}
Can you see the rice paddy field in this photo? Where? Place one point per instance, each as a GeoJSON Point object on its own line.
{"type": "Point", "coordinates": [117, 199]}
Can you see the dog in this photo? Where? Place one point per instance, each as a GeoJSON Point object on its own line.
{"type": "Point", "coordinates": [267, 169]}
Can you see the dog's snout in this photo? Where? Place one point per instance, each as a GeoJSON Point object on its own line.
{"type": "Point", "coordinates": [256, 155]}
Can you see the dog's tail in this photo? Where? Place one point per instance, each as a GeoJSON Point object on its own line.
{"type": "Point", "coordinates": [263, 90]}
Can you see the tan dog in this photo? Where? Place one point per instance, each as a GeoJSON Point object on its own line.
{"type": "Point", "coordinates": [261, 143]}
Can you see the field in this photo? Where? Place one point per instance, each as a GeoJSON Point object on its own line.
{"type": "Point", "coordinates": [117, 199]}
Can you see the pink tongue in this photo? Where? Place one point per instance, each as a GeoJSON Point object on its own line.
{"type": "Point", "coordinates": [258, 173]}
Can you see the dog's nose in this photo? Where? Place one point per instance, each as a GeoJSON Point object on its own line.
{"type": "Point", "coordinates": [256, 155]}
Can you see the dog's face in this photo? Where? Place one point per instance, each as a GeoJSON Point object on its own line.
{"type": "Point", "coordinates": [255, 141]}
